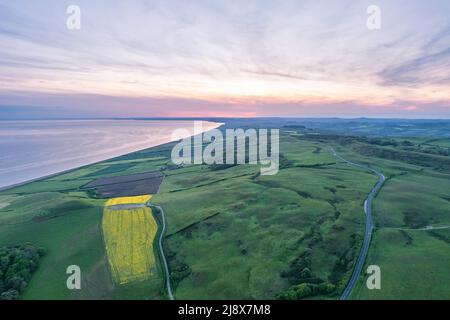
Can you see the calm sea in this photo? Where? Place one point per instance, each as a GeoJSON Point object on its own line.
{"type": "Point", "coordinates": [34, 149]}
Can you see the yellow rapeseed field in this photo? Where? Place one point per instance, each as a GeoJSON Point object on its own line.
{"type": "Point", "coordinates": [128, 200]}
{"type": "Point", "coordinates": [129, 236]}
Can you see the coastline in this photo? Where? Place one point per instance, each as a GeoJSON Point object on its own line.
{"type": "Point", "coordinates": [15, 185]}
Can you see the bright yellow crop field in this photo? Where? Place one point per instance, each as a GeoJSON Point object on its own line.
{"type": "Point", "coordinates": [129, 236]}
{"type": "Point", "coordinates": [128, 200]}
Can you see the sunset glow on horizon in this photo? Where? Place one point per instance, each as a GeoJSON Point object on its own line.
{"type": "Point", "coordinates": [224, 58]}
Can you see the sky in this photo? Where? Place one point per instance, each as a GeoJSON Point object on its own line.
{"type": "Point", "coordinates": [211, 58]}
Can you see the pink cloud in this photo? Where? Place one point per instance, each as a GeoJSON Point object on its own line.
{"type": "Point", "coordinates": [409, 108]}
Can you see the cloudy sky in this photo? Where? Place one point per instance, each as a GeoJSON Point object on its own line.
{"type": "Point", "coordinates": [225, 58]}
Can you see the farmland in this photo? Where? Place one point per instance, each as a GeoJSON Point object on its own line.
{"type": "Point", "coordinates": [125, 185]}
{"type": "Point", "coordinates": [129, 236]}
{"type": "Point", "coordinates": [61, 217]}
{"type": "Point", "coordinates": [234, 234]}
{"type": "Point", "coordinates": [128, 200]}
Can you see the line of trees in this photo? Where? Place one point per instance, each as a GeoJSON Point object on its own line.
{"type": "Point", "coordinates": [17, 264]}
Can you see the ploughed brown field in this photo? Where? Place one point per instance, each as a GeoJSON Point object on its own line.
{"type": "Point", "coordinates": [128, 185]}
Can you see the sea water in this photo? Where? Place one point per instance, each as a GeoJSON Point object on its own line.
{"type": "Point", "coordinates": [33, 149]}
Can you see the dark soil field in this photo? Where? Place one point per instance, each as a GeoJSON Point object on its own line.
{"type": "Point", "coordinates": [127, 185]}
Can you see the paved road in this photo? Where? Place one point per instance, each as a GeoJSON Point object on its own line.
{"type": "Point", "coordinates": [369, 226]}
{"type": "Point", "coordinates": [163, 256]}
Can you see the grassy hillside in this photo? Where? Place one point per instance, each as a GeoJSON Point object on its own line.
{"type": "Point", "coordinates": [414, 257]}
{"type": "Point", "coordinates": [235, 234]}
{"type": "Point", "coordinates": [411, 213]}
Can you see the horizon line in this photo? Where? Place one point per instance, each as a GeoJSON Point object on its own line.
{"type": "Point", "coordinates": [219, 117]}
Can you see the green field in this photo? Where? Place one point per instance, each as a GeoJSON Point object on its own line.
{"type": "Point", "coordinates": [234, 234]}
{"type": "Point", "coordinates": [414, 260]}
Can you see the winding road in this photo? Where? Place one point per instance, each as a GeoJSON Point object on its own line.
{"type": "Point", "coordinates": [163, 256]}
{"type": "Point", "coordinates": [362, 254]}
{"type": "Point", "coordinates": [369, 226]}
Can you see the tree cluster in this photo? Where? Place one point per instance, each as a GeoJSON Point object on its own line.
{"type": "Point", "coordinates": [17, 264]}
